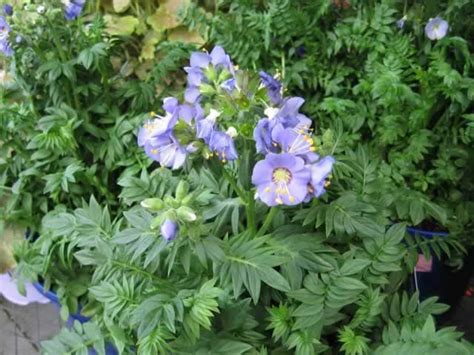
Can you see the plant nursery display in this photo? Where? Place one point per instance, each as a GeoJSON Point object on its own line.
{"type": "Point", "coordinates": [237, 177]}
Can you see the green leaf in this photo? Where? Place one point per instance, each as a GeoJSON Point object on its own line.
{"type": "Point", "coordinates": [273, 279]}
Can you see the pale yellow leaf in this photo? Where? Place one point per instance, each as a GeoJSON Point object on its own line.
{"type": "Point", "coordinates": [149, 44]}
{"type": "Point", "coordinates": [121, 5]}
{"type": "Point", "coordinates": [166, 16]}
{"type": "Point", "coordinates": [182, 34]}
{"type": "Point", "coordinates": [120, 26]}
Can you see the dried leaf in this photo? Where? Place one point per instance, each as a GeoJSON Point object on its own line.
{"type": "Point", "coordinates": [149, 43]}
{"type": "Point", "coordinates": [182, 34]}
{"type": "Point", "coordinates": [166, 17]}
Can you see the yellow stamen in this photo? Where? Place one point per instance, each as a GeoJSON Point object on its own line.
{"type": "Point", "coordinates": [327, 183]}
{"type": "Point", "coordinates": [292, 199]}
{"type": "Point", "coordinates": [267, 189]}
{"type": "Point", "coordinates": [279, 201]}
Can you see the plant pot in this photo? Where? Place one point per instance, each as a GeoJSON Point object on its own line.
{"type": "Point", "coordinates": [440, 279]}
{"type": "Point", "coordinates": [53, 297]}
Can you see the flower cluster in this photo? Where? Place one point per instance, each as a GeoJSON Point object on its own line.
{"type": "Point", "coordinates": [5, 47]}
{"type": "Point", "coordinates": [73, 9]}
{"type": "Point", "coordinates": [291, 172]}
{"type": "Point", "coordinates": [205, 69]}
{"type": "Point", "coordinates": [187, 127]}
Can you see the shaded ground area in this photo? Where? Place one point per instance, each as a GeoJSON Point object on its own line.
{"type": "Point", "coordinates": [463, 315]}
{"type": "Point", "coordinates": [22, 328]}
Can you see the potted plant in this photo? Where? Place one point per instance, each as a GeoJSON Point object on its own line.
{"type": "Point", "coordinates": [248, 248]}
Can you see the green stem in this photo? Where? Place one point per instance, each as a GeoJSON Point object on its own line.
{"type": "Point", "coordinates": [267, 222]}
{"type": "Point", "coordinates": [233, 183]}
{"type": "Point", "coordinates": [64, 59]}
{"type": "Point", "coordinates": [251, 226]}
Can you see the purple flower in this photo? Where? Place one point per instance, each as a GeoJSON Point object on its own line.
{"type": "Point", "coordinates": [4, 33]}
{"type": "Point", "coordinates": [8, 9]}
{"type": "Point", "coordinates": [222, 144]}
{"type": "Point", "coordinates": [73, 9]}
{"type": "Point", "coordinates": [273, 87]}
{"type": "Point", "coordinates": [166, 150]}
{"type": "Point", "coordinates": [319, 174]}
{"type": "Point", "coordinates": [262, 134]}
{"type": "Point", "coordinates": [154, 128]}
{"type": "Point", "coordinates": [296, 141]}
{"type": "Point", "coordinates": [158, 139]}
{"type": "Point", "coordinates": [401, 22]}
{"type": "Point", "coordinates": [229, 85]}
{"type": "Point", "coordinates": [199, 62]}
{"type": "Point", "coordinates": [281, 179]}
{"type": "Point", "coordinates": [169, 229]}
{"type": "Point", "coordinates": [192, 94]}
{"type": "Point", "coordinates": [436, 28]}
{"type": "Point", "coordinates": [205, 126]}
{"type": "Point", "coordinates": [6, 49]}
{"type": "Point", "coordinates": [287, 116]}
{"type": "Point", "coordinates": [4, 29]}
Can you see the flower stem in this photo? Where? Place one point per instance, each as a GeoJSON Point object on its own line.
{"type": "Point", "coordinates": [233, 183]}
{"type": "Point", "coordinates": [267, 222]}
{"type": "Point", "coordinates": [250, 209]}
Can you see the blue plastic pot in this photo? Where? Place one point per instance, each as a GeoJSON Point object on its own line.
{"type": "Point", "coordinates": [53, 297]}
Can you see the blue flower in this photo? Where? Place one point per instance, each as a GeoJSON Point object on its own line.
{"type": "Point", "coordinates": [273, 87]}
{"type": "Point", "coordinates": [4, 33]}
{"type": "Point", "coordinates": [205, 126]}
{"type": "Point", "coordinates": [73, 9]}
{"type": "Point", "coordinates": [296, 141]}
{"type": "Point", "coordinates": [436, 28]}
{"type": "Point", "coordinates": [262, 134]}
{"type": "Point", "coordinates": [166, 150]}
{"type": "Point", "coordinates": [169, 229]}
{"type": "Point", "coordinates": [229, 85]}
{"type": "Point", "coordinates": [401, 22]}
{"type": "Point", "coordinates": [319, 174]}
{"type": "Point", "coordinates": [8, 9]}
{"type": "Point", "coordinates": [199, 62]}
{"type": "Point", "coordinates": [158, 139]}
{"type": "Point", "coordinates": [281, 179]}
{"type": "Point", "coordinates": [222, 144]}
{"type": "Point", "coordinates": [287, 116]}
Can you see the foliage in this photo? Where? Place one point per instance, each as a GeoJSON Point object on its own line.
{"type": "Point", "coordinates": [369, 81]}
{"type": "Point", "coordinates": [239, 277]}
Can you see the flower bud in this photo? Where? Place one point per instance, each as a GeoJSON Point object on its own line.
{"type": "Point", "coordinates": [206, 89]}
{"type": "Point", "coordinates": [169, 229]}
{"type": "Point", "coordinates": [182, 190]}
{"type": "Point", "coordinates": [210, 73]}
{"type": "Point", "coordinates": [186, 214]}
{"type": "Point", "coordinates": [154, 204]}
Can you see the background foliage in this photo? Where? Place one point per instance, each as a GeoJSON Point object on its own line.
{"type": "Point", "coordinates": [393, 107]}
